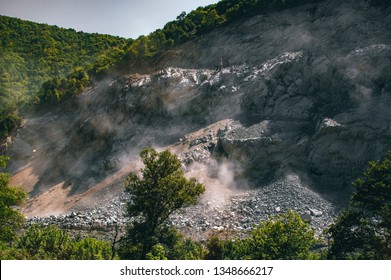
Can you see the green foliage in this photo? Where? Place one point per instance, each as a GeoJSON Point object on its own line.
{"type": "Point", "coordinates": [201, 21]}
{"type": "Point", "coordinates": [44, 243]}
{"type": "Point", "coordinates": [173, 246]}
{"type": "Point", "coordinates": [363, 230]}
{"type": "Point", "coordinates": [285, 237]}
{"type": "Point", "coordinates": [217, 248]}
{"type": "Point", "coordinates": [13, 80]}
{"type": "Point", "coordinates": [50, 243]}
{"type": "Point", "coordinates": [32, 53]}
{"type": "Point", "coordinates": [38, 58]}
{"type": "Point", "coordinates": [57, 89]}
{"type": "Point", "coordinates": [160, 191]}
{"type": "Point", "coordinates": [157, 252]}
{"type": "Point", "coordinates": [187, 249]}
{"type": "Point", "coordinates": [8, 123]}
{"type": "Point", "coordinates": [90, 249]}
{"type": "Point", "coordinates": [3, 161]}
{"type": "Point", "coordinates": [10, 219]}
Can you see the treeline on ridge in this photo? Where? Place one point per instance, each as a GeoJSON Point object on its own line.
{"type": "Point", "coordinates": [184, 28]}
{"type": "Point", "coordinates": [33, 53]}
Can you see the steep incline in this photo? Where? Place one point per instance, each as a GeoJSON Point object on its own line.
{"type": "Point", "coordinates": [300, 94]}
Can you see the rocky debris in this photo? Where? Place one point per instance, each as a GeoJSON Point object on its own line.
{"type": "Point", "coordinates": [247, 208]}
{"type": "Point", "coordinates": [104, 217]}
{"type": "Point", "coordinates": [240, 211]}
{"type": "Point", "coordinates": [200, 155]}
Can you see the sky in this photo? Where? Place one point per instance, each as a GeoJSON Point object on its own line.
{"type": "Point", "coordinates": [124, 18]}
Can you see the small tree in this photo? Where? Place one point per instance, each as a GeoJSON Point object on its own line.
{"type": "Point", "coordinates": [160, 191]}
{"type": "Point", "coordinates": [363, 230]}
{"type": "Point", "coordinates": [10, 219]}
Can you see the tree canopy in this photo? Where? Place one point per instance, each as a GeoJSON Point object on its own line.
{"type": "Point", "coordinates": [201, 21]}
{"type": "Point", "coordinates": [284, 237]}
{"type": "Point", "coordinates": [363, 230]}
{"type": "Point", "coordinates": [33, 53]}
{"type": "Point", "coordinates": [160, 191]}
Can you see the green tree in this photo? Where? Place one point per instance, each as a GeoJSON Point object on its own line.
{"type": "Point", "coordinates": [363, 230]}
{"type": "Point", "coordinates": [44, 243]}
{"type": "Point", "coordinates": [40, 242]}
{"type": "Point", "coordinates": [10, 219]}
{"type": "Point", "coordinates": [187, 249]}
{"type": "Point", "coordinates": [160, 191]}
{"type": "Point", "coordinates": [285, 237]}
{"type": "Point", "coordinates": [158, 252]}
{"type": "Point", "coordinates": [90, 249]}
{"type": "Point", "coordinates": [173, 246]}
{"type": "Point", "coordinates": [216, 248]}
{"type": "Point", "coordinates": [8, 123]}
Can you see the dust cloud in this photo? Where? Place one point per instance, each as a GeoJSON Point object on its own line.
{"type": "Point", "coordinates": [220, 180]}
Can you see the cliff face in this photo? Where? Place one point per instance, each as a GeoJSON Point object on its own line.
{"type": "Point", "coordinates": [307, 92]}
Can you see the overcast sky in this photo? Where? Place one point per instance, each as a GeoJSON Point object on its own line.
{"type": "Point", "coordinates": [125, 18]}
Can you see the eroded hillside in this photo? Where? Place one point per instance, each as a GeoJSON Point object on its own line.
{"type": "Point", "coordinates": [279, 111]}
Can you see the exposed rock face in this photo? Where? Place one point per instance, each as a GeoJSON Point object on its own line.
{"type": "Point", "coordinates": [306, 92]}
{"type": "Point", "coordinates": [326, 127]}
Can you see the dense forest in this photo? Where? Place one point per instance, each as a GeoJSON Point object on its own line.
{"type": "Point", "coordinates": [32, 53]}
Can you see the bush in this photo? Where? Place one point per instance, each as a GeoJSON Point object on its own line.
{"type": "Point", "coordinates": [50, 243]}
{"type": "Point", "coordinates": [284, 237]}
{"type": "Point", "coordinates": [8, 123]}
{"type": "Point", "coordinates": [363, 230]}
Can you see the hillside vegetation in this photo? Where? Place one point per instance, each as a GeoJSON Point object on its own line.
{"type": "Point", "coordinates": [202, 20]}
{"type": "Point", "coordinates": [32, 53]}
{"type": "Point", "coordinates": [54, 52]}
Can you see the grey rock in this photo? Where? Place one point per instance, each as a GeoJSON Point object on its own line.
{"type": "Point", "coordinates": [306, 216]}
{"type": "Point", "coordinates": [316, 213]}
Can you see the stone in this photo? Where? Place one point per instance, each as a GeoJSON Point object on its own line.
{"type": "Point", "coordinates": [316, 213]}
{"type": "Point", "coordinates": [306, 216]}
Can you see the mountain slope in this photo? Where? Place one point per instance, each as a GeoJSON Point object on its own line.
{"type": "Point", "coordinates": [32, 53]}
{"type": "Point", "coordinates": [302, 93]}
